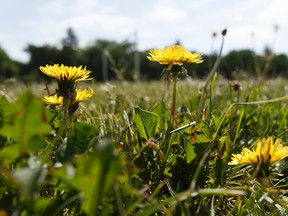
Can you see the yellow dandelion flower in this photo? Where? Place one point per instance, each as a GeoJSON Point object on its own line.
{"type": "Point", "coordinates": [65, 73]}
{"type": "Point", "coordinates": [266, 151]}
{"type": "Point", "coordinates": [53, 100]}
{"type": "Point", "coordinates": [81, 95]}
{"type": "Point", "coordinates": [174, 55]}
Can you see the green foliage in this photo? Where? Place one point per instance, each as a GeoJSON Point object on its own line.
{"type": "Point", "coordinates": [25, 119]}
{"type": "Point", "coordinates": [71, 40]}
{"type": "Point", "coordinates": [120, 158]}
{"type": "Point", "coordinates": [145, 123]}
{"type": "Point", "coordinates": [237, 62]}
{"type": "Point", "coordinates": [24, 123]}
{"type": "Point", "coordinates": [80, 139]}
{"type": "Point", "coordinates": [93, 175]}
{"type": "Point", "coordinates": [8, 67]}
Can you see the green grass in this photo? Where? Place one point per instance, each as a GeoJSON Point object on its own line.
{"type": "Point", "coordinates": [119, 157]}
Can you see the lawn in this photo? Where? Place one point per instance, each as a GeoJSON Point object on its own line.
{"type": "Point", "coordinates": [122, 152]}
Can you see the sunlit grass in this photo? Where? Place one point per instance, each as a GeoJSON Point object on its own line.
{"type": "Point", "coordinates": [115, 159]}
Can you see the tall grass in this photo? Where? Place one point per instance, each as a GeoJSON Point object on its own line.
{"type": "Point", "coordinates": [116, 159]}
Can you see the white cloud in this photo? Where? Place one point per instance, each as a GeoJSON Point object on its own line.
{"type": "Point", "coordinates": [165, 10]}
{"type": "Point", "coordinates": [110, 23]}
{"type": "Point", "coordinates": [275, 11]}
{"type": "Point", "coordinates": [158, 23]}
{"type": "Point", "coordinates": [64, 8]}
{"type": "Point", "coordinates": [89, 19]}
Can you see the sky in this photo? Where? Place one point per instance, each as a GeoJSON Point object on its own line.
{"type": "Point", "coordinates": [251, 24]}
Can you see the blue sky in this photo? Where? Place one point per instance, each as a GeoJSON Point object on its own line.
{"type": "Point", "coordinates": [158, 23]}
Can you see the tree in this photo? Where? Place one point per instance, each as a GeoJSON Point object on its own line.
{"type": "Point", "coordinates": [8, 67]}
{"type": "Point", "coordinates": [279, 66]}
{"type": "Point", "coordinates": [237, 62]}
{"type": "Point", "coordinates": [109, 59]}
{"type": "Point", "coordinates": [69, 52]}
{"type": "Point", "coordinates": [70, 40]}
{"type": "Point", "coordinates": [40, 56]}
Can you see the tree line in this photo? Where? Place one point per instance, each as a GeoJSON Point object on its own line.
{"type": "Point", "coordinates": [110, 60]}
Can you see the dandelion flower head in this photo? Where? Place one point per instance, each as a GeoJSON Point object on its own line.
{"type": "Point", "coordinates": [174, 55]}
{"type": "Point", "coordinates": [266, 151]}
{"type": "Point", "coordinates": [66, 73]}
{"type": "Point", "coordinates": [81, 95]}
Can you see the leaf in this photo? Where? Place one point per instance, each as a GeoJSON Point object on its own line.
{"type": "Point", "coordinates": [9, 154]}
{"type": "Point", "coordinates": [25, 119]}
{"type": "Point", "coordinates": [94, 176]}
{"type": "Point", "coordinates": [81, 136]}
{"type": "Point", "coordinates": [222, 157]}
{"type": "Point", "coordinates": [224, 148]}
{"type": "Point", "coordinates": [163, 114]}
{"type": "Point", "coordinates": [3, 104]}
{"type": "Point", "coordinates": [194, 150]}
{"type": "Point", "coordinates": [190, 153]}
{"type": "Point", "coordinates": [36, 142]}
{"type": "Point", "coordinates": [200, 133]}
{"type": "Point", "coordinates": [78, 142]}
{"type": "Point", "coordinates": [145, 122]}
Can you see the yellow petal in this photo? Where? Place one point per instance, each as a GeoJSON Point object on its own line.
{"type": "Point", "coordinates": [71, 73]}
{"type": "Point", "coordinates": [271, 153]}
{"type": "Point", "coordinates": [174, 55]}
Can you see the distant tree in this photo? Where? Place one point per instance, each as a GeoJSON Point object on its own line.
{"type": "Point", "coordinates": [68, 55]}
{"type": "Point", "coordinates": [71, 40]}
{"type": "Point", "coordinates": [266, 62]}
{"type": "Point", "coordinates": [178, 42]}
{"type": "Point", "coordinates": [91, 56]}
{"type": "Point", "coordinates": [109, 59]}
{"type": "Point", "coordinates": [268, 50]}
{"type": "Point", "coordinates": [121, 60]}
{"type": "Point", "coordinates": [112, 60]}
{"type": "Point", "coordinates": [40, 56]}
{"type": "Point", "coordinates": [149, 70]}
{"type": "Point", "coordinates": [237, 63]}
{"type": "Point", "coordinates": [8, 67]}
{"type": "Point", "coordinates": [279, 66]}
{"type": "Point", "coordinates": [202, 70]}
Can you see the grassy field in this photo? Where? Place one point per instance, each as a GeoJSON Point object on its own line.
{"type": "Point", "coordinates": [123, 154]}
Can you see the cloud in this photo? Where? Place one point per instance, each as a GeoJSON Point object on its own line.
{"type": "Point", "coordinates": [64, 8]}
{"type": "Point", "coordinates": [165, 10]}
{"type": "Point", "coordinates": [89, 19]}
{"type": "Point", "coordinates": [275, 11]}
{"type": "Point", "coordinates": [108, 22]}
{"type": "Point", "coordinates": [159, 23]}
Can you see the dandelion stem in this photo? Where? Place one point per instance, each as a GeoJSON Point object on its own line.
{"type": "Point", "coordinates": [172, 114]}
{"type": "Point", "coordinates": [173, 104]}
{"type": "Point", "coordinates": [66, 117]}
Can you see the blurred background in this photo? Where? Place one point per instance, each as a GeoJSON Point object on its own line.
{"type": "Point", "coordinates": [112, 38]}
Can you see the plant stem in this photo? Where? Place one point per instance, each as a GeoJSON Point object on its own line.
{"type": "Point", "coordinates": [61, 134]}
{"type": "Point", "coordinates": [66, 117]}
{"type": "Point", "coordinates": [172, 114]}
{"type": "Point", "coordinates": [173, 104]}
